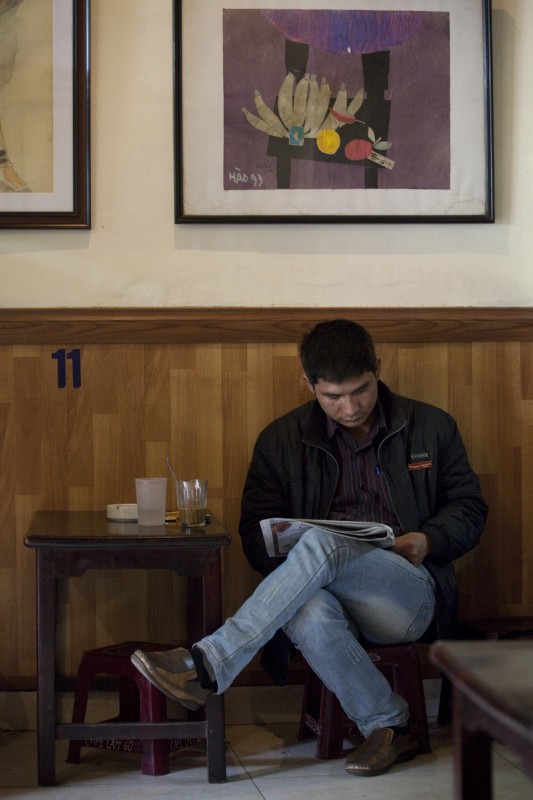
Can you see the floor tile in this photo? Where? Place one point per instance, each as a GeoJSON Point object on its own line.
{"type": "Point", "coordinates": [265, 762]}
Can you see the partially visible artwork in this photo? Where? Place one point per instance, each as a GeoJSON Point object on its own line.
{"type": "Point", "coordinates": [369, 90]}
{"type": "Point", "coordinates": [10, 181]}
{"type": "Point", "coordinates": [44, 111]}
{"type": "Point", "coordinates": [356, 112]}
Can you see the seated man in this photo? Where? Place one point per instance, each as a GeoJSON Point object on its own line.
{"type": "Point", "coordinates": [356, 451]}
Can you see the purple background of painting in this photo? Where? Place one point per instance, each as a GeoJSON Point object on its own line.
{"type": "Point", "coordinates": [419, 88]}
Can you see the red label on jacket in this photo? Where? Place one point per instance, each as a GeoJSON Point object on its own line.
{"type": "Point", "coordinates": [420, 465]}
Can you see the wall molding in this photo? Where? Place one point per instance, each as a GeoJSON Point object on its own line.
{"type": "Point", "coordinates": [255, 325]}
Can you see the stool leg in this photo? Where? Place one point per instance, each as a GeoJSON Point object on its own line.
{"type": "Point", "coordinates": [445, 702]}
{"type": "Point", "coordinates": [418, 703]}
{"type": "Point", "coordinates": [407, 681]}
{"type": "Point", "coordinates": [155, 752]}
{"type": "Point", "coordinates": [400, 664]}
{"type": "Point", "coordinates": [330, 738]}
{"type": "Point", "coordinates": [414, 694]}
{"type": "Point", "coordinates": [323, 716]}
{"type": "Point", "coordinates": [310, 706]}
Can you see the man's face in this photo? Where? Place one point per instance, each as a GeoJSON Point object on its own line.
{"type": "Point", "coordinates": [351, 403]}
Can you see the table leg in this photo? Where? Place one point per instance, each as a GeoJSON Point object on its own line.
{"type": "Point", "coordinates": [216, 741]}
{"type": "Point", "coordinates": [46, 709]}
{"type": "Point", "coordinates": [215, 719]}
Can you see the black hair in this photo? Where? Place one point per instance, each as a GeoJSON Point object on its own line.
{"type": "Point", "coordinates": [336, 351]}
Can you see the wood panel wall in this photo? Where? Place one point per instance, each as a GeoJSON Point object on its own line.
{"type": "Point", "coordinates": [198, 386]}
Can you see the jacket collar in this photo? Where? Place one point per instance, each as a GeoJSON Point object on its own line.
{"type": "Point", "coordinates": [394, 405]}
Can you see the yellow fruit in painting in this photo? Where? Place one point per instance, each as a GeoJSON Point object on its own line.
{"type": "Point", "coordinates": [328, 142]}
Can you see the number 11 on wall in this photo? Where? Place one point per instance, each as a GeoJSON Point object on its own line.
{"type": "Point", "coordinates": [61, 356]}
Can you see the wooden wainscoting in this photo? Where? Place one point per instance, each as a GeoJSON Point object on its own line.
{"type": "Point", "coordinates": [198, 385]}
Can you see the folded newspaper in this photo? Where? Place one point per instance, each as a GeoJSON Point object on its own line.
{"type": "Point", "coordinates": [281, 534]}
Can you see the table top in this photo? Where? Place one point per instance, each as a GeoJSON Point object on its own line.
{"type": "Point", "coordinates": [75, 529]}
{"type": "Point", "coordinates": [499, 673]}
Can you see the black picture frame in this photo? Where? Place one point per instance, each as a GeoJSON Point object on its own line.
{"type": "Point", "coordinates": [67, 203]}
{"type": "Point", "coordinates": [204, 123]}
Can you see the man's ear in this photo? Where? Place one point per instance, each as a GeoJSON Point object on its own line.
{"type": "Point", "coordinates": [308, 383]}
{"type": "Point", "coordinates": [378, 368]}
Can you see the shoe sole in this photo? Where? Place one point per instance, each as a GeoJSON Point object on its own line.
{"type": "Point", "coordinates": [169, 689]}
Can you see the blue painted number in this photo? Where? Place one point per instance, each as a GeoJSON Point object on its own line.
{"type": "Point", "coordinates": [61, 357]}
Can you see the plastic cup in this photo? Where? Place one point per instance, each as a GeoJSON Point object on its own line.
{"type": "Point", "coordinates": [151, 500]}
{"type": "Point", "coordinates": [191, 497]}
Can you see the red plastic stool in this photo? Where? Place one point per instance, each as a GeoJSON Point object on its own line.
{"type": "Point", "coordinates": [322, 713]}
{"type": "Point", "coordinates": [138, 700]}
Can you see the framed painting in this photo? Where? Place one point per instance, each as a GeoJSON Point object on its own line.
{"type": "Point", "coordinates": [290, 111]}
{"type": "Point", "coordinates": [44, 114]}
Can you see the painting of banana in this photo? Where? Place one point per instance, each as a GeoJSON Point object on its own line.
{"type": "Point", "coordinates": [305, 112]}
{"type": "Point", "coordinates": [304, 104]}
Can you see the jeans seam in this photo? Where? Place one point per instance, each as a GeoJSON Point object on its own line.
{"type": "Point", "coordinates": [421, 612]}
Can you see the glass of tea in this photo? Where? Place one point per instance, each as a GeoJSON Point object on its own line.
{"type": "Point", "coordinates": [191, 496]}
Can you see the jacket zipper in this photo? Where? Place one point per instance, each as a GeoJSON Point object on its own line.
{"type": "Point", "coordinates": [388, 436]}
{"type": "Point", "coordinates": [328, 453]}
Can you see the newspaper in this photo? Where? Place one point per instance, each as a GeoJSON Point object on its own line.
{"type": "Point", "coordinates": [281, 533]}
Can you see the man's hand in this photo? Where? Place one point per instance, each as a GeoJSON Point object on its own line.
{"type": "Point", "coordinates": [413, 546]}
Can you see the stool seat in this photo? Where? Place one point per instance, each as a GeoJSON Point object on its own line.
{"type": "Point", "coordinates": [323, 715]}
{"type": "Point", "coordinates": [139, 700]}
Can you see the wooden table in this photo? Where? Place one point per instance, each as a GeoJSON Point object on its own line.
{"type": "Point", "coordinates": [67, 543]}
{"type": "Point", "coordinates": [492, 683]}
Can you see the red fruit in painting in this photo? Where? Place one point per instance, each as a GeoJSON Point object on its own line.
{"type": "Point", "coordinates": [358, 149]}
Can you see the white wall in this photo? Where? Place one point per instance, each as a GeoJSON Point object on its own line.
{"type": "Point", "coordinates": [136, 256]}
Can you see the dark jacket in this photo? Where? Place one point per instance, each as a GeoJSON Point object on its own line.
{"type": "Point", "coordinates": [294, 473]}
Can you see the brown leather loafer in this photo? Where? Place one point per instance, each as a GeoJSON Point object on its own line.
{"type": "Point", "coordinates": [173, 673]}
{"type": "Point", "coordinates": [380, 751]}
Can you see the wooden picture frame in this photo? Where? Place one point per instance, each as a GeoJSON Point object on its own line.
{"type": "Point", "coordinates": [402, 136]}
{"type": "Point", "coordinates": [44, 124]}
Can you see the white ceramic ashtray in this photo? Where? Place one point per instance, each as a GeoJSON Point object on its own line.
{"type": "Point", "coordinates": [122, 512]}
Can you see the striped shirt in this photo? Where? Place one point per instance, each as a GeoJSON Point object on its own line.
{"type": "Point", "coordinates": [362, 493]}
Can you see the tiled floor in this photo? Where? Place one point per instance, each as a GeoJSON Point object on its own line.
{"type": "Point", "coordinates": [264, 761]}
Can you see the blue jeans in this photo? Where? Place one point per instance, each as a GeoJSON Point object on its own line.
{"type": "Point", "coordinates": [329, 590]}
